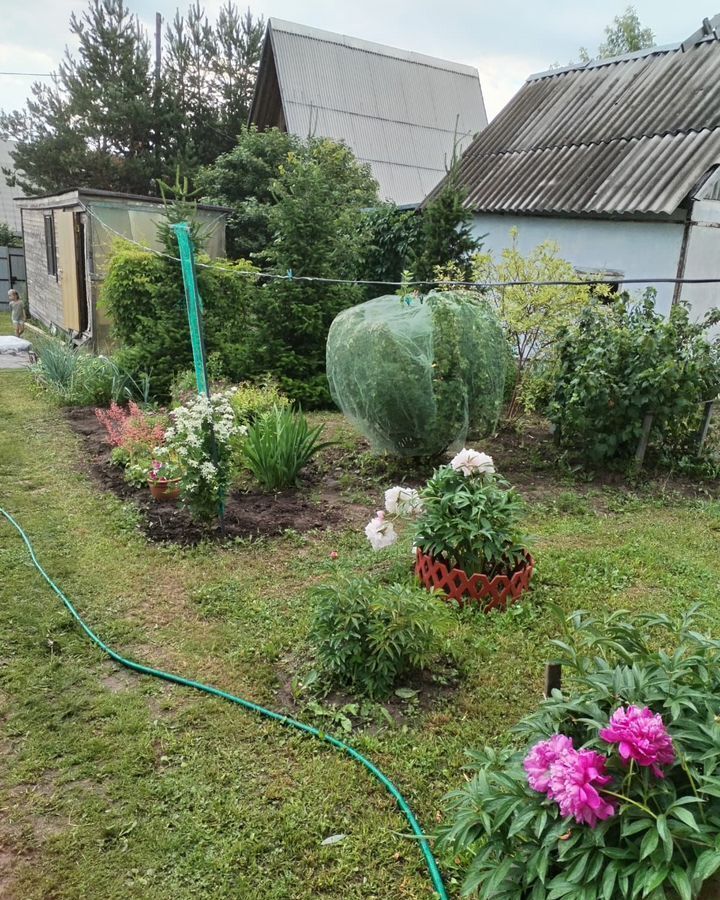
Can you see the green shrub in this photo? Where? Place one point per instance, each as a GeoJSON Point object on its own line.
{"type": "Point", "coordinates": [75, 377]}
{"type": "Point", "coordinates": [659, 838]}
{"type": "Point", "coordinates": [145, 298]}
{"type": "Point", "coordinates": [278, 445]}
{"type": "Point", "coordinates": [532, 315]}
{"type": "Point", "coordinates": [624, 361]}
{"type": "Point", "coordinates": [250, 401]}
{"type": "Point", "coordinates": [367, 636]}
{"type": "Point", "coordinates": [415, 375]}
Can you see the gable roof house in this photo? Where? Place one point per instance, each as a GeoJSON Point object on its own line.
{"type": "Point", "coordinates": [399, 111]}
{"type": "Point", "coordinates": [618, 161]}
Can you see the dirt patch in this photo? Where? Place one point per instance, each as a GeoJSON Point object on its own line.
{"type": "Point", "coordinates": [313, 506]}
{"type": "Point", "coordinates": [423, 692]}
{"type": "Point", "coordinates": [531, 461]}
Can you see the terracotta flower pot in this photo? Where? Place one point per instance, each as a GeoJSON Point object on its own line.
{"type": "Point", "coordinates": [490, 593]}
{"type": "Point", "coordinates": [165, 488]}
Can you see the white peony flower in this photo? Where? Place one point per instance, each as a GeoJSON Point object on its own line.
{"type": "Point", "coordinates": [402, 501]}
{"type": "Point", "coordinates": [379, 532]}
{"type": "Point", "coordinates": [470, 462]}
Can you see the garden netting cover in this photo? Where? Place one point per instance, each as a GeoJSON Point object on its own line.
{"type": "Point", "coordinates": [416, 374]}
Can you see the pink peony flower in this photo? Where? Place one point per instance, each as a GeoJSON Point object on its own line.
{"type": "Point", "coordinates": [538, 761]}
{"type": "Point", "coordinates": [570, 777]}
{"type": "Point", "coordinates": [574, 779]}
{"type": "Point", "coordinates": [640, 735]}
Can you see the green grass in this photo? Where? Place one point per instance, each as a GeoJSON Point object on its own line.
{"type": "Point", "coordinates": [118, 786]}
{"type": "Point", "coordinates": [6, 326]}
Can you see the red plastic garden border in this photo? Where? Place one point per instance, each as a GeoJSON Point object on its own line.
{"type": "Point", "coordinates": [493, 593]}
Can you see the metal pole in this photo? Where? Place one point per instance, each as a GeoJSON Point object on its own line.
{"type": "Point", "coordinates": [193, 304]}
{"type": "Point", "coordinates": [705, 427]}
{"type": "Point", "coordinates": [158, 51]}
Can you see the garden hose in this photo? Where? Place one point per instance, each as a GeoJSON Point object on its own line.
{"type": "Point", "coordinates": [433, 869]}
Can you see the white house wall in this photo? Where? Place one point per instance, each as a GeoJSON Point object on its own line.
{"type": "Point", "coordinates": [703, 257]}
{"type": "Point", "coordinates": [635, 249]}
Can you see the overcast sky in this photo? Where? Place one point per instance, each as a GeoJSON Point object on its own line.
{"type": "Point", "coordinates": [506, 41]}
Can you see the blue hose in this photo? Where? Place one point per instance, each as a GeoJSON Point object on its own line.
{"type": "Point", "coordinates": [435, 875]}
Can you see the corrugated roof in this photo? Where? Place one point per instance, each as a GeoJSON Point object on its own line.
{"type": "Point", "coordinates": [399, 111]}
{"type": "Point", "coordinates": [628, 135]}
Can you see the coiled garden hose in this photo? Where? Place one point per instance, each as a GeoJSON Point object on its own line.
{"type": "Point", "coordinates": [435, 875]}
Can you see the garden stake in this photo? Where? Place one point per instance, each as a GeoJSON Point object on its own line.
{"type": "Point", "coordinates": [644, 441]}
{"type": "Point", "coordinates": [705, 427]}
{"type": "Point", "coordinates": [553, 678]}
{"type": "Point", "coordinates": [402, 803]}
{"type": "Point", "coordinates": [193, 303]}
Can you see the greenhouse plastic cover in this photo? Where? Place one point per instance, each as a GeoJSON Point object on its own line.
{"type": "Point", "coordinates": [416, 374]}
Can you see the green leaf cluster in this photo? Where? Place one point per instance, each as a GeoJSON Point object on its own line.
{"type": "Point", "coordinates": [368, 636]}
{"type": "Point", "coordinates": [623, 361]}
{"type": "Point", "coordinates": [663, 843]}
{"type": "Point", "coordinates": [532, 315]}
{"type": "Point", "coordinates": [76, 377]}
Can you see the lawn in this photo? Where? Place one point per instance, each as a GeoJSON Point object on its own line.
{"type": "Point", "coordinates": [117, 786]}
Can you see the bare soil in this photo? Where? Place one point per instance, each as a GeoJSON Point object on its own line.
{"type": "Point", "coordinates": [251, 514]}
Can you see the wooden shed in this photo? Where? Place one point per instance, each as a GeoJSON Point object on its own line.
{"type": "Point", "coordinates": [68, 238]}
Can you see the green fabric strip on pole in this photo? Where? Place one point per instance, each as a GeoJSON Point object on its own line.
{"type": "Point", "coordinates": [193, 303]}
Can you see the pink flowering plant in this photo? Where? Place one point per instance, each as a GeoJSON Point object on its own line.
{"type": "Point", "coordinates": [614, 788]}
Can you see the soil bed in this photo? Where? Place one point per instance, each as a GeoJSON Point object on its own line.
{"type": "Point", "coordinates": [247, 514]}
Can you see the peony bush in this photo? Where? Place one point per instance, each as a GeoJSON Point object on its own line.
{"type": "Point", "coordinates": [617, 792]}
{"type": "Point", "coordinates": [466, 515]}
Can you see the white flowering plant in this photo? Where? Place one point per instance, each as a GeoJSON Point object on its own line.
{"type": "Point", "coordinates": [200, 437]}
{"type": "Point", "coordinates": [467, 516]}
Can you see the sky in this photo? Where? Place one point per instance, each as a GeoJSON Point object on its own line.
{"type": "Point", "coordinates": [505, 41]}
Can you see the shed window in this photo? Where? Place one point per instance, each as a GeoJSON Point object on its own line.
{"type": "Point", "coordinates": [50, 249]}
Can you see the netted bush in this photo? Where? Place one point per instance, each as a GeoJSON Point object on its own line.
{"type": "Point", "coordinates": [415, 375]}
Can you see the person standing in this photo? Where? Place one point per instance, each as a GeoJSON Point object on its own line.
{"type": "Point", "coordinates": [17, 312]}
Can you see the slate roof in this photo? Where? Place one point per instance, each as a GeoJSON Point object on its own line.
{"type": "Point", "coordinates": [399, 111]}
{"type": "Point", "coordinates": [633, 134]}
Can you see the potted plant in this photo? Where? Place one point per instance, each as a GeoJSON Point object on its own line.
{"type": "Point", "coordinates": [164, 478]}
{"type": "Point", "coordinates": [468, 542]}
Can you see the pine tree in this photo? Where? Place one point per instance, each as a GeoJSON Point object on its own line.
{"type": "Point", "coordinates": [445, 235]}
{"type": "Point", "coordinates": [209, 79]}
{"type": "Point", "coordinates": [94, 126]}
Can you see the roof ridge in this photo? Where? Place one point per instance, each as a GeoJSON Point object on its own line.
{"type": "Point", "coordinates": [309, 32]}
{"type": "Point", "coordinates": [607, 61]}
